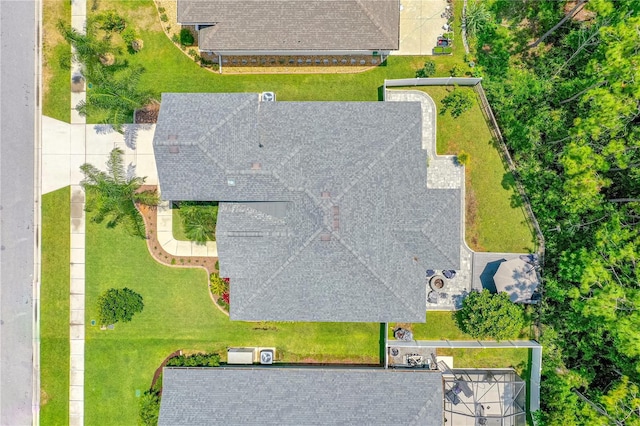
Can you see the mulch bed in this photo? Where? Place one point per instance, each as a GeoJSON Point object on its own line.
{"type": "Point", "coordinates": [147, 114]}
{"type": "Point", "coordinates": [149, 214]}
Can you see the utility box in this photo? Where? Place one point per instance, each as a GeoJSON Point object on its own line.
{"type": "Point", "coordinates": [240, 355]}
{"type": "Point", "coordinates": [251, 355]}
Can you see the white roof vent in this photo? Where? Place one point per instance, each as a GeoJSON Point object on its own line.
{"type": "Point", "coordinates": [267, 96]}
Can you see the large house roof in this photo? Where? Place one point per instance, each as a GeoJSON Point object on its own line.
{"type": "Point", "coordinates": [301, 396]}
{"type": "Point", "coordinates": [294, 25]}
{"type": "Point", "coordinates": [325, 214]}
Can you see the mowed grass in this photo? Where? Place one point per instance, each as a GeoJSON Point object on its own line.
{"type": "Point", "coordinates": [442, 326]}
{"type": "Point", "coordinates": [495, 218]}
{"type": "Point", "coordinates": [56, 52]}
{"type": "Point", "coordinates": [54, 308]}
{"type": "Point", "coordinates": [179, 314]}
{"type": "Point", "coordinates": [176, 225]}
{"type": "Point", "coordinates": [168, 69]}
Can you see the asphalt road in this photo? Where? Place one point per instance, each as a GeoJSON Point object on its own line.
{"type": "Point", "coordinates": [17, 112]}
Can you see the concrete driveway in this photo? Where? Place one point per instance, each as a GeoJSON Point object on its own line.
{"type": "Point", "coordinates": [420, 25]}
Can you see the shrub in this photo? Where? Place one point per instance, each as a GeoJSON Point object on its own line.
{"type": "Point", "coordinates": [218, 285]}
{"type": "Point", "coordinates": [118, 305]}
{"type": "Point", "coordinates": [447, 50]}
{"type": "Point", "coordinates": [427, 70]}
{"type": "Point", "coordinates": [195, 360]}
{"type": "Point", "coordinates": [175, 38]}
{"type": "Point", "coordinates": [456, 70]}
{"type": "Point", "coordinates": [494, 316]}
{"type": "Point", "coordinates": [186, 37]}
{"type": "Point", "coordinates": [161, 9]}
{"type": "Point", "coordinates": [463, 158]}
{"type": "Point", "coordinates": [149, 408]}
{"type": "Point", "coordinates": [164, 17]}
{"type": "Point", "coordinates": [438, 50]}
{"type": "Point", "coordinates": [193, 53]}
{"type": "Point", "coordinates": [111, 21]}
{"type": "Point", "coordinates": [128, 36]}
{"type": "Point", "coordinates": [457, 102]}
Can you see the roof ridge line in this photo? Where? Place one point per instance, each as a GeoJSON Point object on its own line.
{"type": "Point", "coordinates": [369, 167]}
{"type": "Point", "coordinates": [371, 271]}
{"type": "Point", "coordinates": [373, 21]}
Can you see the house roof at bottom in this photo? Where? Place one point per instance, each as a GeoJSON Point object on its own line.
{"type": "Point", "coordinates": [301, 396]}
{"type": "Point", "coordinates": [293, 25]}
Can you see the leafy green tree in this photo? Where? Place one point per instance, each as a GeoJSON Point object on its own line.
{"type": "Point", "coordinates": [112, 194]}
{"type": "Point", "coordinates": [494, 316]}
{"type": "Point", "coordinates": [199, 220]}
{"type": "Point", "coordinates": [427, 70]}
{"type": "Point", "coordinates": [118, 305]}
{"type": "Point", "coordinates": [457, 102]}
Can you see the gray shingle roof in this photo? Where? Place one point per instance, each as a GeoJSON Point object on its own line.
{"type": "Point", "coordinates": [335, 224]}
{"type": "Point", "coordinates": [301, 396]}
{"type": "Point", "coordinates": [294, 25]}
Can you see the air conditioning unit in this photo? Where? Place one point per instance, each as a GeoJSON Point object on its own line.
{"type": "Point", "coordinates": [266, 357]}
{"type": "Point", "coordinates": [267, 97]}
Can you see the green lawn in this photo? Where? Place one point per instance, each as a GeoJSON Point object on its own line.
{"type": "Point", "coordinates": [176, 225]}
{"type": "Point", "coordinates": [56, 91]}
{"type": "Point", "coordinates": [179, 314]}
{"type": "Point", "coordinates": [495, 219]}
{"type": "Point", "coordinates": [441, 326]}
{"type": "Point", "coordinates": [54, 308]}
{"type": "Point", "coordinates": [170, 70]}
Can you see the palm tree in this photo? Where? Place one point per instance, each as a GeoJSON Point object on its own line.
{"type": "Point", "coordinates": [477, 17]}
{"type": "Point", "coordinates": [114, 97]}
{"type": "Point", "coordinates": [88, 49]}
{"type": "Point", "coordinates": [199, 220]}
{"type": "Point", "coordinates": [112, 195]}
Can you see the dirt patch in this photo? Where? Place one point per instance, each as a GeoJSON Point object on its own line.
{"type": "Point", "coordinates": [582, 16]}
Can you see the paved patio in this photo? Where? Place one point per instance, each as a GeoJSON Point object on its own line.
{"type": "Point", "coordinates": [420, 25]}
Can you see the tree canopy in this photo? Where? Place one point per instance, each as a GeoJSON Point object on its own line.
{"type": "Point", "coordinates": [490, 316]}
{"type": "Point", "coordinates": [118, 305]}
{"type": "Point", "coordinates": [568, 105]}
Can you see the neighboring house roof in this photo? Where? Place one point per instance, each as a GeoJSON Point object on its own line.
{"type": "Point", "coordinates": [325, 214]}
{"type": "Point", "coordinates": [301, 396]}
{"type": "Point", "coordinates": [294, 25]}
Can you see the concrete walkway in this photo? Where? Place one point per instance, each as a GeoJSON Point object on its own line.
{"type": "Point", "coordinates": [77, 155]}
{"type": "Point", "coordinates": [175, 247]}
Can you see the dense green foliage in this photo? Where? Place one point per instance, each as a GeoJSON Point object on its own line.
{"type": "Point", "coordinates": [119, 305]}
{"type": "Point", "coordinates": [490, 316]}
{"type": "Point", "coordinates": [186, 37]}
{"type": "Point", "coordinates": [568, 104]}
{"type": "Point", "coordinates": [112, 194]}
{"type": "Point", "coordinates": [195, 360]}
{"type": "Point", "coordinates": [149, 408]}
{"type": "Point", "coordinates": [112, 93]}
{"type": "Point", "coordinates": [199, 220]}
